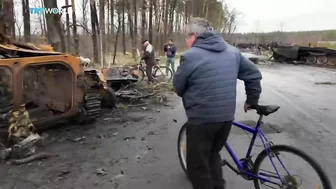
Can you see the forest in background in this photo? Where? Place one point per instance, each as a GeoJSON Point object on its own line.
{"type": "Point", "coordinates": [100, 28]}
{"type": "Point", "coordinates": [95, 28]}
{"type": "Point", "coordinates": [299, 37]}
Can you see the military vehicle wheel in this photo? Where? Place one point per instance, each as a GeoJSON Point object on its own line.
{"type": "Point", "coordinates": [108, 97]}
{"type": "Point", "coordinates": [321, 60]}
{"type": "Point", "coordinates": [91, 107]}
{"type": "Point", "coordinates": [311, 59]}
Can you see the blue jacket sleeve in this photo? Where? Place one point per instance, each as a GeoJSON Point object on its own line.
{"type": "Point", "coordinates": [181, 76]}
{"type": "Point", "coordinates": [250, 74]}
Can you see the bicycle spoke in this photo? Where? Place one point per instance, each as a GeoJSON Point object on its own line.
{"type": "Point", "coordinates": [290, 172]}
{"type": "Point", "coordinates": [270, 186]}
{"type": "Point", "coordinates": [271, 174]}
{"type": "Point", "coordinates": [162, 72]}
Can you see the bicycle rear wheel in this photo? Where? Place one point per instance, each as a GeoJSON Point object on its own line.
{"type": "Point", "coordinates": [182, 148]}
{"type": "Point", "coordinates": [163, 73]}
{"type": "Point", "coordinates": [289, 179]}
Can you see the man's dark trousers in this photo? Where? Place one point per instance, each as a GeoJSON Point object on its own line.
{"type": "Point", "coordinates": [204, 142]}
{"type": "Point", "coordinates": [149, 72]}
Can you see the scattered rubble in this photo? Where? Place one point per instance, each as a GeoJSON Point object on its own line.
{"type": "Point", "coordinates": [101, 172]}
{"type": "Point", "coordinates": [76, 139]}
{"type": "Point", "coordinates": [325, 83]}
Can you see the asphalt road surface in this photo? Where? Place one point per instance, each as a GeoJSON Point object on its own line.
{"type": "Point", "coordinates": [139, 149]}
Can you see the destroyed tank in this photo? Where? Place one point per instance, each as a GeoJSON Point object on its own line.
{"type": "Point", "coordinates": [53, 86]}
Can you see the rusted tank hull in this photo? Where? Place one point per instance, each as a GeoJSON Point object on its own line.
{"type": "Point", "coordinates": [53, 86]}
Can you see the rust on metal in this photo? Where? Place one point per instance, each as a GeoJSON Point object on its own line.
{"type": "Point", "coordinates": [52, 85]}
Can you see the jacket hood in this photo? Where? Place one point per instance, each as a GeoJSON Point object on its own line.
{"type": "Point", "coordinates": [210, 40]}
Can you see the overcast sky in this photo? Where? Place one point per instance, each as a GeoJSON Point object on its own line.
{"type": "Point", "coordinates": [270, 15]}
{"type": "Point", "coordinates": [295, 15]}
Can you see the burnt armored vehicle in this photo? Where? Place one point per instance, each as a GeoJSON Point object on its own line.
{"type": "Point", "coordinates": [53, 86]}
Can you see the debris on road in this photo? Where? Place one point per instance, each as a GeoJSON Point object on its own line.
{"type": "Point", "coordinates": [129, 138]}
{"type": "Point", "coordinates": [137, 94]}
{"type": "Point", "coordinates": [101, 172]}
{"type": "Point", "coordinates": [76, 139]}
{"type": "Point", "coordinates": [34, 157]}
{"type": "Point", "coordinates": [325, 83]}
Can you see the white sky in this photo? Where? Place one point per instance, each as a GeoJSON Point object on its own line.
{"type": "Point", "coordinates": [295, 15]}
{"type": "Point", "coordinates": [268, 15]}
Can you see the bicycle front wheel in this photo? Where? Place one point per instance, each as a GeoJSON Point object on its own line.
{"type": "Point", "coordinates": [280, 172]}
{"type": "Point", "coordinates": [163, 73]}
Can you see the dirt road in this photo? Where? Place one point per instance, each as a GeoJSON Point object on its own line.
{"type": "Point", "coordinates": [137, 149]}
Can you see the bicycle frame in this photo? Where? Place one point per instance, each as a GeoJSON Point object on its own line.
{"type": "Point", "coordinates": [243, 165]}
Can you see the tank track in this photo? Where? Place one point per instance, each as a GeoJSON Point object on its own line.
{"type": "Point", "coordinates": [92, 104]}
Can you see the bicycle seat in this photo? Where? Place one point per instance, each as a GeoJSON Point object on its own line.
{"type": "Point", "coordinates": [157, 59]}
{"type": "Point", "coordinates": [265, 110]}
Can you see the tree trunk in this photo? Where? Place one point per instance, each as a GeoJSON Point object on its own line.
{"type": "Point", "coordinates": [131, 28]}
{"type": "Point", "coordinates": [44, 22]}
{"type": "Point", "coordinates": [166, 12]}
{"type": "Point", "coordinates": [94, 26]}
{"type": "Point", "coordinates": [74, 29]}
{"type": "Point", "coordinates": [117, 37]}
{"type": "Point", "coordinates": [102, 28]}
{"type": "Point", "coordinates": [123, 27]}
{"type": "Point", "coordinates": [55, 31]}
{"type": "Point", "coordinates": [150, 24]}
{"type": "Point", "coordinates": [107, 33]}
{"type": "Point", "coordinates": [7, 21]}
{"type": "Point", "coordinates": [157, 22]}
{"type": "Point", "coordinates": [143, 20]}
{"type": "Point", "coordinates": [26, 20]}
{"type": "Point", "coordinates": [186, 14]}
{"type": "Point", "coordinates": [135, 9]}
{"type": "Point", "coordinates": [67, 22]}
{"type": "Point", "coordinates": [84, 15]}
{"type": "Point", "coordinates": [112, 17]}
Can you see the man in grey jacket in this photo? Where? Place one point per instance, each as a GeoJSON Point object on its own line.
{"type": "Point", "coordinates": [206, 79]}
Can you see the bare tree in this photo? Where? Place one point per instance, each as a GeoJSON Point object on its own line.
{"type": "Point", "coordinates": [84, 9]}
{"type": "Point", "coordinates": [95, 29]}
{"type": "Point", "coordinates": [67, 23]}
{"type": "Point", "coordinates": [143, 19]}
{"type": "Point", "coordinates": [150, 22]}
{"type": "Point", "coordinates": [117, 35]}
{"type": "Point", "coordinates": [55, 31]}
{"type": "Point", "coordinates": [131, 27]}
{"type": "Point", "coordinates": [135, 10]}
{"type": "Point", "coordinates": [123, 25]}
{"type": "Point", "coordinates": [7, 20]}
{"type": "Point", "coordinates": [102, 28]}
{"type": "Point", "coordinates": [74, 27]}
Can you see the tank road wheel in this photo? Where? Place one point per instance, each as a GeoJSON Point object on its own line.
{"type": "Point", "coordinates": [91, 107]}
{"type": "Point", "coordinates": [108, 97]}
{"type": "Point", "coordinates": [322, 60]}
{"type": "Point", "coordinates": [311, 59]}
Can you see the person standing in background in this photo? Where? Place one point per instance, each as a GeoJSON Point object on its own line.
{"type": "Point", "coordinates": [149, 58]}
{"type": "Point", "coordinates": [170, 51]}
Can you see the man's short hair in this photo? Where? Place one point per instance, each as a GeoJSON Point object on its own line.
{"type": "Point", "coordinates": [170, 40]}
{"type": "Point", "coordinates": [197, 25]}
{"type": "Point", "coordinates": [144, 41]}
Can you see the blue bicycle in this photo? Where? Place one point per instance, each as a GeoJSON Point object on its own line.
{"type": "Point", "coordinates": [273, 178]}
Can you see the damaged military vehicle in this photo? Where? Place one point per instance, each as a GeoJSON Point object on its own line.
{"type": "Point", "coordinates": [54, 87]}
